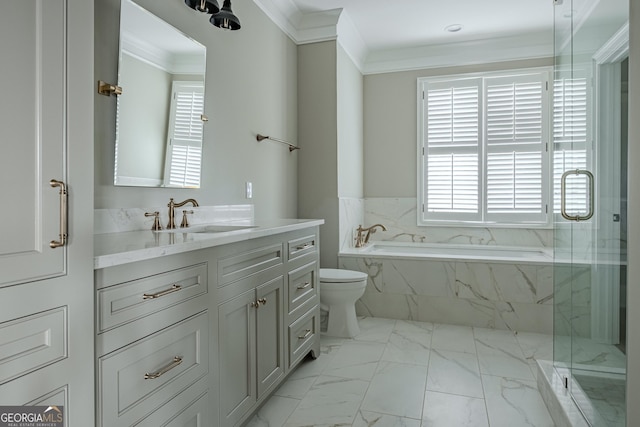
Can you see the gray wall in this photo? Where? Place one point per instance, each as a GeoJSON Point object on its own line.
{"type": "Point", "coordinates": [251, 87]}
{"type": "Point", "coordinates": [317, 129]}
{"type": "Point", "coordinates": [350, 87]}
{"type": "Point", "coordinates": [142, 125]}
{"type": "Point", "coordinates": [390, 126]}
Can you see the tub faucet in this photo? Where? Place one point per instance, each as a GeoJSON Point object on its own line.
{"type": "Point", "coordinates": [362, 238]}
{"type": "Point", "coordinates": [172, 212]}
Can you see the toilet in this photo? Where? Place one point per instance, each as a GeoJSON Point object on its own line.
{"type": "Point", "coordinates": [339, 291]}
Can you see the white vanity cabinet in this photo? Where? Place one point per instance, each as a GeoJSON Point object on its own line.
{"type": "Point", "coordinates": [203, 337]}
{"type": "Point", "coordinates": [47, 134]}
{"type": "Point", "coordinates": [152, 342]}
{"type": "Point", "coordinates": [266, 289]}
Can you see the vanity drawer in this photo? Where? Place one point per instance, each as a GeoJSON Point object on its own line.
{"type": "Point", "coordinates": [302, 246]}
{"type": "Point", "coordinates": [302, 335]}
{"type": "Point", "coordinates": [148, 373]}
{"type": "Point", "coordinates": [188, 409]}
{"type": "Point", "coordinates": [242, 265]}
{"type": "Point", "coordinates": [302, 287]}
{"type": "Point", "coordinates": [132, 300]}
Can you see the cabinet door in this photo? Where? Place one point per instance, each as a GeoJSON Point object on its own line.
{"type": "Point", "coordinates": [32, 36]}
{"type": "Point", "coordinates": [46, 117]}
{"type": "Point", "coordinates": [270, 340]}
{"type": "Point", "coordinates": [237, 354]}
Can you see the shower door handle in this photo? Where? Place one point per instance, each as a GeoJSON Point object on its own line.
{"type": "Point", "coordinates": [563, 196]}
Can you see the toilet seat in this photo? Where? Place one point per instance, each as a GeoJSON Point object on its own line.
{"type": "Point", "coordinates": [334, 275]}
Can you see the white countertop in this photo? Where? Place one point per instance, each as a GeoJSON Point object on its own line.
{"type": "Point", "coordinates": [120, 248]}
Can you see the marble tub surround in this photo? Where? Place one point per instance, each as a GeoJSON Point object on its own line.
{"type": "Point", "coordinates": [133, 219]}
{"type": "Point", "coordinates": [112, 249]}
{"type": "Point", "coordinates": [516, 297]}
{"type": "Point", "coordinates": [400, 215]}
{"type": "Point", "coordinates": [443, 384]}
{"type": "Point", "coordinates": [351, 215]}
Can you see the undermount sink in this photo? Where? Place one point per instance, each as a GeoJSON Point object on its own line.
{"type": "Point", "coordinates": [213, 228]}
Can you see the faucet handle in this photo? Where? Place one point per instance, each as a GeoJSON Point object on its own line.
{"type": "Point", "coordinates": [185, 222]}
{"type": "Point", "coordinates": [156, 220]}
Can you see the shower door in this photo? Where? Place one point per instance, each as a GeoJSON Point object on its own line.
{"type": "Point", "coordinates": [589, 165]}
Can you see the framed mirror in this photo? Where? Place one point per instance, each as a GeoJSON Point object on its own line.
{"type": "Point", "coordinates": [160, 113]}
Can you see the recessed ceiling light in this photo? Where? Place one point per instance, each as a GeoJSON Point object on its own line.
{"type": "Point", "coordinates": [453, 28]}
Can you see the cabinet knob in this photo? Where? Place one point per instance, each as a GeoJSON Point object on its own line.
{"type": "Point", "coordinates": [262, 301]}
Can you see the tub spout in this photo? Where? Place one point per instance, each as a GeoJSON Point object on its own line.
{"type": "Point", "coordinates": [365, 233]}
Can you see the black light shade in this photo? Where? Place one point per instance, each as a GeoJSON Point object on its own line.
{"type": "Point", "coordinates": [225, 19]}
{"type": "Point", "coordinates": [206, 6]}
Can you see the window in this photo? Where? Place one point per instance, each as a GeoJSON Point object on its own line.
{"type": "Point", "coordinates": [570, 137]}
{"type": "Point", "coordinates": [484, 149]}
{"type": "Point", "coordinates": [184, 147]}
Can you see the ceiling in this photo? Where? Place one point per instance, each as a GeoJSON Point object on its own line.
{"type": "Point", "coordinates": [409, 23]}
{"type": "Point", "coordinates": [392, 35]}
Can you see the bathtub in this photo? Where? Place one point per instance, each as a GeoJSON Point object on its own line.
{"type": "Point", "coordinates": [474, 285]}
{"type": "Point", "coordinates": [447, 252]}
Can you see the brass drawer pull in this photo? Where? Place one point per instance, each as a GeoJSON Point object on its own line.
{"type": "Point", "coordinates": [176, 361]}
{"type": "Point", "coordinates": [305, 246]}
{"type": "Point", "coordinates": [262, 301]}
{"type": "Point", "coordinates": [172, 289]}
{"type": "Point", "coordinates": [305, 286]}
{"type": "Point", "coordinates": [63, 214]}
{"type": "Point", "coordinates": [306, 335]}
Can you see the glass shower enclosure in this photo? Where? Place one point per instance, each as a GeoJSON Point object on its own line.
{"type": "Point", "coordinates": [590, 188]}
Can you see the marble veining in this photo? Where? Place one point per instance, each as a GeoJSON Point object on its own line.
{"type": "Point", "coordinates": [516, 297]}
{"type": "Point", "coordinates": [449, 390]}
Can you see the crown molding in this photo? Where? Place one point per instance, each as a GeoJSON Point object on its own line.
{"type": "Point", "coordinates": [336, 25]}
{"type": "Point", "coordinates": [519, 47]}
{"type": "Point", "coordinates": [191, 63]}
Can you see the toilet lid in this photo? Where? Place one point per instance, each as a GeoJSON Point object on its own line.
{"type": "Point", "coordinates": [334, 275]}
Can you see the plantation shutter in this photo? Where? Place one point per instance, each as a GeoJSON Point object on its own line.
{"type": "Point", "coordinates": [570, 137]}
{"type": "Point", "coordinates": [515, 147]}
{"type": "Point", "coordinates": [184, 148]}
{"type": "Point", "coordinates": [452, 150]}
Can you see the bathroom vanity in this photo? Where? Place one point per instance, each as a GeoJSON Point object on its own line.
{"type": "Point", "coordinates": [198, 328]}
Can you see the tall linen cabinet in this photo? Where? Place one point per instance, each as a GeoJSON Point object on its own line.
{"type": "Point", "coordinates": [46, 289]}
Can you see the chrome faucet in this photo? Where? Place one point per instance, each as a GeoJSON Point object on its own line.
{"type": "Point", "coordinates": [172, 212]}
{"type": "Point", "coordinates": [362, 239]}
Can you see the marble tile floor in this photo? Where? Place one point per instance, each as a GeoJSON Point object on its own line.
{"type": "Point", "coordinates": [398, 373]}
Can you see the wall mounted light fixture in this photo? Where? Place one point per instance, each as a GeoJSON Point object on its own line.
{"type": "Point", "coordinates": [221, 18]}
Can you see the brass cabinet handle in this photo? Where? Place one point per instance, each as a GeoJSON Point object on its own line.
{"type": "Point", "coordinates": [563, 196]}
{"type": "Point", "coordinates": [63, 214]}
{"type": "Point", "coordinates": [174, 288]}
{"type": "Point", "coordinates": [262, 301]}
{"type": "Point", "coordinates": [175, 362]}
{"type": "Point", "coordinates": [306, 335]}
{"type": "Point", "coordinates": [305, 246]}
{"type": "Point", "coordinates": [305, 286]}
{"type": "Point", "coordinates": [254, 304]}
